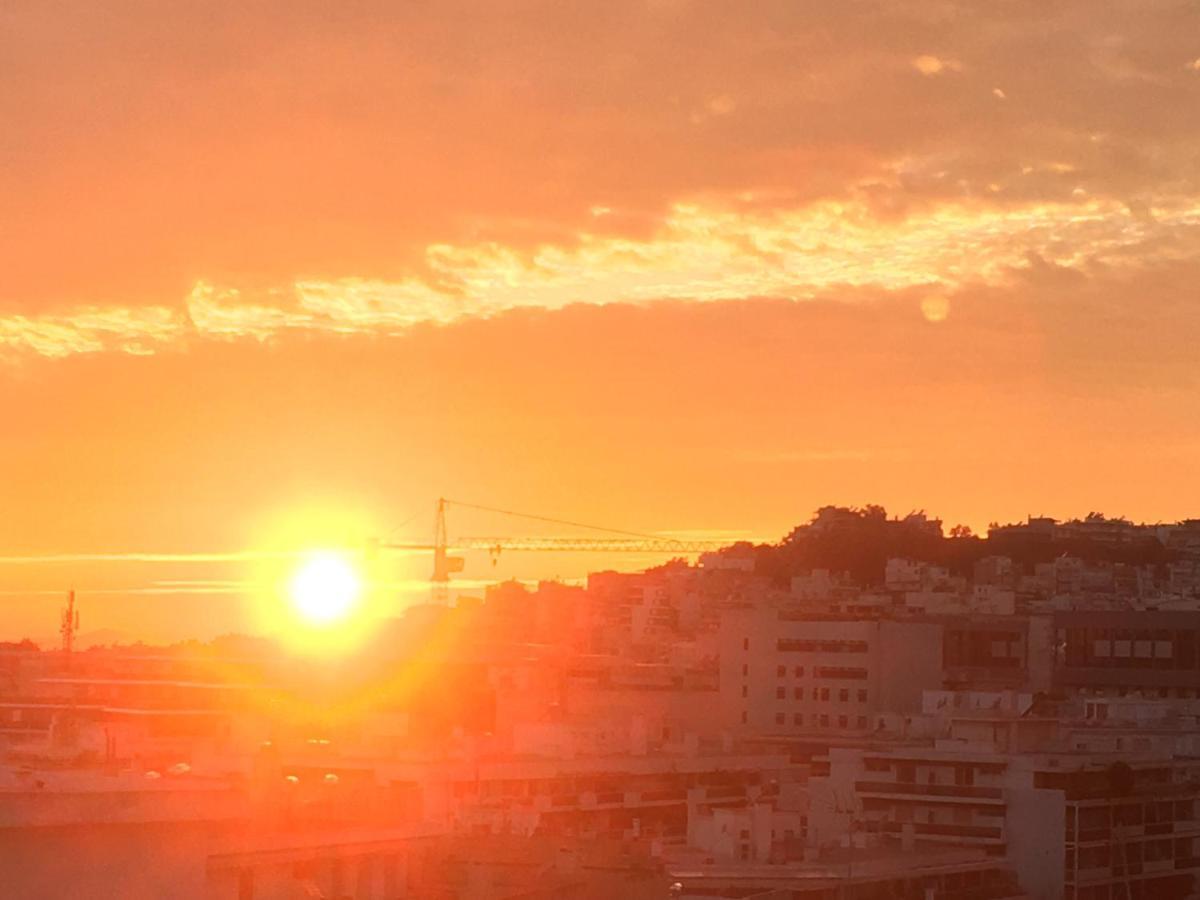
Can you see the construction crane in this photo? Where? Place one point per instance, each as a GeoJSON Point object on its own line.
{"type": "Point", "coordinates": [445, 564]}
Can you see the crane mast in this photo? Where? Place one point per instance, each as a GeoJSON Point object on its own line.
{"type": "Point", "coordinates": [444, 565]}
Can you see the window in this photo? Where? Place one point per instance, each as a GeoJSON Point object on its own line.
{"type": "Point", "coordinates": [798, 693]}
{"type": "Point", "coordinates": [861, 723]}
{"type": "Point", "coordinates": [743, 717]}
{"type": "Point", "coordinates": [798, 645]}
{"type": "Point", "coordinates": [845, 672]}
{"type": "Point", "coordinates": [778, 718]}
{"type": "Point", "coordinates": [798, 671]}
{"type": "Point", "coordinates": [797, 718]}
{"type": "Point", "coordinates": [843, 695]}
{"type": "Point", "coordinates": [745, 643]}
{"type": "Point", "coordinates": [745, 691]}
{"type": "Point", "coordinates": [780, 693]}
{"type": "Point", "coordinates": [824, 720]}
{"type": "Point", "coordinates": [843, 722]}
{"type": "Point", "coordinates": [781, 671]}
{"type": "Point", "coordinates": [824, 693]}
{"type": "Point", "coordinates": [862, 696]}
{"type": "Point", "coordinates": [745, 669]}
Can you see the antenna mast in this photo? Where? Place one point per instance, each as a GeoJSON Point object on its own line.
{"type": "Point", "coordinates": [69, 624]}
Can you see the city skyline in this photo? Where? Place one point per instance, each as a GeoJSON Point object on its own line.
{"type": "Point", "coordinates": [318, 267]}
{"type": "Point", "coordinates": [495, 449]}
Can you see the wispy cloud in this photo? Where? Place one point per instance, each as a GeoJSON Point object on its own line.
{"type": "Point", "coordinates": [929, 65]}
{"type": "Point", "coordinates": [137, 330]}
{"type": "Point", "coordinates": [138, 557]}
{"type": "Point", "coordinates": [701, 252]}
{"type": "Point", "coordinates": [816, 455]}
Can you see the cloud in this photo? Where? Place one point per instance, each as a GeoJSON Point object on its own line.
{"type": "Point", "coordinates": [932, 65]}
{"type": "Point", "coordinates": [793, 457]}
{"type": "Point", "coordinates": [699, 253]}
{"type": "Point", "coordinates": [273, 144]}
{"type": "Point", "coordinates": [383, 168]}
{"type": "Point", "coordinates": [136, 331]}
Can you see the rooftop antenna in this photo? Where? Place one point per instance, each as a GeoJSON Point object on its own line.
{"type": "Point", "coordinates": [69, 624]}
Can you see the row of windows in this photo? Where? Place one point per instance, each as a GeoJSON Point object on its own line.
{"type": "Point", "coordinates": [843, 695]}
{"type": "Point", "coordinates": [1129, 648]}
{"type": "Point", "coordinates": [818, 672]}
{"type": "Point", "coordinates": [1127, 855]}
{"type": "Point", "coordinates": [839, 672]}
{"type": "Point", "coordinates": [797, 645]}
{"type": "Point", "coordinates": [823, 720]}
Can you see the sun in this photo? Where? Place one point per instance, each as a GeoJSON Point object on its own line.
{"type": "Point", "coordinates": [325, 589]}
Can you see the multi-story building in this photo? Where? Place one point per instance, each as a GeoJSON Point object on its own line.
{"type": "Point", "coordinates": [989, 652]}
{"type": "Point", "coordinates": [795, 673]}
{"type": "Point", "coordinates": [861, 874]}
{"type": "Point", "coordinates": [1151, 653]}
{"type": "Point", "coordinates": [1075, 824]}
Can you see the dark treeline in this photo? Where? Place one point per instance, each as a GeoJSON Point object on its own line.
{"type": "Point", "coordinates": [860, 541]}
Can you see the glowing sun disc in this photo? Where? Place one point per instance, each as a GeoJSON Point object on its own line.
{"type": "Point", "coordinates": [325, 589]}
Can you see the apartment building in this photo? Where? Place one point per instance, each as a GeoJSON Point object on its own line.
{"type": "Point", "coordinates": [1080, 825]}
{"type": "Point", "coordinates": [796, 673]}
{"type": "Point", "coordinates": [995, 652]}
{"type": "Point", "coordinates": [1154, 653]}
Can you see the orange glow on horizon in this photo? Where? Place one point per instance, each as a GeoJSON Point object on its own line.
{"type": "Point", "coordinates": [269, 285]}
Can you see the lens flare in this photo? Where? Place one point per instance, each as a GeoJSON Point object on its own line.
{"type": "Point", "coordinates": [936, 308]}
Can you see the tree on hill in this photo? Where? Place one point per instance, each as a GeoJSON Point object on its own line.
{"type": "Point", "coordinates": [860, 540]}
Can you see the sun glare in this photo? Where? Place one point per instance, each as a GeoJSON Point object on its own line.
{"type": "Point", "coordinates": [325, 589]}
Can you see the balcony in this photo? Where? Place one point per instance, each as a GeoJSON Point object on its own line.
{"type": "Point", "coordinates": [930, 829]}
{"type": "Point", "coordinates": [947, 791]}
{"type": "Point", "coordinates": [726, 792]}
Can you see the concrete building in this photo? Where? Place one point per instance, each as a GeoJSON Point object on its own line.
{"type": "Point", "coordinates": [1151, 653]}
{"type": "Point", "coordinates": [793, 673]}
{"type": "Point", "coordinates": [1076, 824]}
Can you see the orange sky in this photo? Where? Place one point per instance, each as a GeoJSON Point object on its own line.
{"type": "Point", "coordinates": [666, 265]}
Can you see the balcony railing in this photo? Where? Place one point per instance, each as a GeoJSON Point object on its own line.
{"type": "Point", "coordinates": [961, 791]}
{"type": "Point", "coordinates": [931, 829]}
